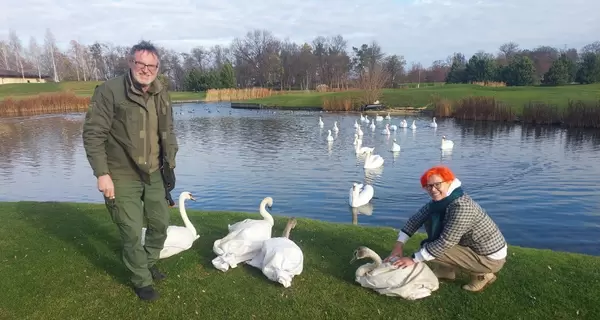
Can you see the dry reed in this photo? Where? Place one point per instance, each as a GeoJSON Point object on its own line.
{"type": "Point", "coordinates": [489, 83]}
{"type": "Point", "coordinates": [340, 104]}
{"type": "Point", "coordinates": [442, 107]}
{"type": "Point", "coordinates": [536, 112]}
{"type": "Point", "coordinates": [238, 94]}
{"type": "Point", "coordinates": [47, 103]}
{"type": "Point", "coordinates": [483, 108]}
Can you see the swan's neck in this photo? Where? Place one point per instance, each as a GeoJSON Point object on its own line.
{"type": "Point", "coordinates": [266, 215]}
{"type": "Point", "coordinates": [288, 228]}
{"type": "Point", "coordinates": [374, 256]}
{"type": "Point", "coordinates": [186, 221]}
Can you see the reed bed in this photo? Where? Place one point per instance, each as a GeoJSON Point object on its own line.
{"type": "Point", "coordinates": [483, 108]}
{"type": "Point", "coordinates": [238, 94]}
{"type": "Point", "coordinates": [536, 112]}
{"type": "Point", "coordinates": [46, 103]}
{"type": "Point", "coordinates": [442, 107]}
{"type": "Point", "coordinates": [337, 103]}
{"type": "Point", "coordinates": [489, 83]}
{"type": "Point", "coordinates": [578, 113]}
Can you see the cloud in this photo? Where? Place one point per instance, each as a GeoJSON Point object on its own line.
{"type": "Point", "coordinates": [421, 30]}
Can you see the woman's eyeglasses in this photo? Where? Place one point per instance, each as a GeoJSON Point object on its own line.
{"type": "Point", "coordinates": [436, 185]}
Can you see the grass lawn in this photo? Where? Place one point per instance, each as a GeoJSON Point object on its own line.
{"type": "Point", "coordinates": [80, 88]}
{"type": "Point", "coordinates": [62, 261]}
{"type": "Point", "coordinates": [419, 97]}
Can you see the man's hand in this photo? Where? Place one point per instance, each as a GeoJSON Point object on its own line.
{"type": "Point", "coordinates": [396, 252]}
{"type": "Point", "coordinates": [106, 186]}
{"type": "Point", "coordinates": [404, 262]}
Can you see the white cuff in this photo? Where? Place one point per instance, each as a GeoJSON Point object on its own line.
{"type": "Point", "coordinates": [423, 255]}
{"type": "Point", "coordinates": [403, 237]}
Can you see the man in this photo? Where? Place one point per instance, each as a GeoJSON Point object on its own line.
{"type": "Point", "coordinates": [128, 137]}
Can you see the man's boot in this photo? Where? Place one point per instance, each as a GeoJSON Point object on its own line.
{"type": "Point", "coordinates": [479, 281]}
{"type": "Point", "coordinates": [147, 293]}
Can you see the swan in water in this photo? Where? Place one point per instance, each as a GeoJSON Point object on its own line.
{"type": "Point", "coordinates": [359, 132]}
{"type": "Point", "coordinates": [366, 119]}
{"type": "Point", "coordinates": [403, 124]}
{"type": "Point", "coordinates": [356, 123]}
{"type": "Point", "coordinates": [378, 117]}
{"type": "Point", "coordinates": [372, 126]}
{"type": "Point", "coordinates": [393, 127]}
{"type": "Point", "coordinates": [178, 238]}
{"type": "Point", "coordinates": [446, 144]}
{"type": "Point", "coordinates": [359, 149]}
{"type": "Point", "coordinates": [362, 118]}
{"type": "Point", "coordinates": [280, 259]}
{"type": "Point", "coordinates": [360, 194]}
{"type": "Point", "coordinates": [411, 283]}
{"type": "Point", "coordinates": [386, 130]}
{"type": "Point", "coordinates": [335, 127]}
{"type": "Point", "coordinates": [413, 126]}
{"type": "Point", "coordinates": [373, 161]}
{"type": "Point", "coordinates": [329, 136]}
{"type": "Point", "coordinates": [388, 117]}
{"type": "Point", "coordinates": [395, 146]}
{"type": "Point", "coordinates": [357, 140]}
{"type": "Point", "coordinates": [244, 240]}
{"type": "Point", "coordinates": [321, 124]}
{"type": "Point", "coordinates": [433, 124]}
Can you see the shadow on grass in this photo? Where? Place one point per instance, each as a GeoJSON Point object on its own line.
{"type": "Point", "coordinates": [93, 239]}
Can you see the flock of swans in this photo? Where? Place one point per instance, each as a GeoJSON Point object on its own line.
{"type": "Point", "coordinates": [361, 193]}
{"type": "Point", "coordinates": [280, 259]}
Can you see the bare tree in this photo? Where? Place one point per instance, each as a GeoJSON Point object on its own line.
{"type": "Point", "coordinates": [50, 44]}
{"type": "Point", "coordinates": [35, 53]}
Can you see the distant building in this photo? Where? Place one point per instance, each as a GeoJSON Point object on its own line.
{"type": "Point", "coordinates": [8, 76]}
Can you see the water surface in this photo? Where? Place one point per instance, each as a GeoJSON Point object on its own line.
{"type": "Point", "coordinates": [538, 183]}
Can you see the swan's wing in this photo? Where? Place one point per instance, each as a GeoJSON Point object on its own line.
{"type": "Point", "coordinates": [179, 237]}
{"type": "Point", "coordinates": [410, 283]}
{"type": "Point", "coordinates": [282, 259]}
{"type": "Point", "coordinates": [367, 192]}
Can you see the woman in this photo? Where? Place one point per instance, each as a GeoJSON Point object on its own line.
{"type": "Point", "coordinates": [460, 234]}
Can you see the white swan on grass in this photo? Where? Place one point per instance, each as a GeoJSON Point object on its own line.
{"type": "Point", "coordinates": [373, 161]}
{"type": "Point", "coordinates": [411, 283]}
{"type": "Point", "coordinates": [280, 259]}
{"type": "Point", "coordinates": [433, 124]}
{"type": "Point", "coordinates": [178, 238]}
{"type": "Point", "coordinates": [360, 194]}
{"type": "Point", "coordinates": [446, 144]}
{"type": "Point", "coordinates": [244, 240]}
{"type": "Point", "coordinates": [395, 146]}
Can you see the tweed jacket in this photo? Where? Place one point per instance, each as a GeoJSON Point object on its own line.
{"type": "Point", "coordinates": [465, 223]}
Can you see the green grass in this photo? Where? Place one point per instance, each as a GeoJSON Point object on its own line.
{"type": "Point", "coordinates": [62, 261]}
{"type": "Point", "coordinates": [419, 97]}
{"type": "Point", "coordinates": [81, 88]}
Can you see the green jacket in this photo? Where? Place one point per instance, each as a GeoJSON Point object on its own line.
{"type": "Point", "coordinates": [115, 135]}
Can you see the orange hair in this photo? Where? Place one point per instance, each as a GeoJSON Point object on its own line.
{"type": "Point", "coordinates": [441, 171]}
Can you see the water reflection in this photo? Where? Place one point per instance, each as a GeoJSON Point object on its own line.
{"type": "Point", "coordinates": [366, 210]}
{"type": "Point", "coordinates": [535, 182]}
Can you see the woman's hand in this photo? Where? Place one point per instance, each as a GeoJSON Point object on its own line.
{"type": "Point", "coordinates": [396, 252]}
{"type": "Point", "coordinates": [404, 262]}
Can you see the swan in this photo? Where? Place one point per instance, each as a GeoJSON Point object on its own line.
{"type": "Point", "coordinates": [335, 127]}
{"type": "Point", "coordinates": [280, 259]}
{"type": "Point", "coordinates": [356, 139]}
{"type": "Point", "coordinates": [376, 102]}
{"type": "Point", "coordinates": [178, 238]}
{"type": "Point", "coordinates": [395, 146]}
{"type": "Point", "coordinates": [446, 144]}
{"type": "Point", "coordinates": [360, 150]}
{"type": "Point", "coordinates": [378, 117]}
{"type": "Point", "coordinates": [403, 124]}
{"type": "Point", "coordinates": [356, 123]}
{"type": "Point", "coordinates": [321, 122]}
{"type": "Point", "coordinates": [388, 117]}
{"type": "Point", "coordinates": [411, 283]}
{"type": "Point", "coordinates": [373, 161]}
{"type": "Point", "coordinates": [329, 137]}
{"type": "Point", "coordinates": [386, 130]}
{"type": "Point", "coordinates": [360, 194]}
{"type": "Point", "coordinates": [372, 126]}
{"type": "Point", "coordinates": [393, 127]}
{"type": "Point", "coordinates": [362, 118]}
{"type": "Point", "coordinates": [359, 132]}
{"type": "Point", "coordinates": [433, 124]}
{"type": "Point", "coordinates": [413, 126]}
{"type": "Point", "coordinates": [244, 239]}
{"type": "Point", "coordinates": [366, 119]}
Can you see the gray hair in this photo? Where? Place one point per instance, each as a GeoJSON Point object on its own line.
{"type": "Point", "coordinates": [144, 46]}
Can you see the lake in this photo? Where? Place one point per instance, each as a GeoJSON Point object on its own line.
{"type": "Point", "coordinates": [539, 184]}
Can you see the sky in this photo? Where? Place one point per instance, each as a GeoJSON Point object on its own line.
{"type": "Point", "coordinates": [420, 30]}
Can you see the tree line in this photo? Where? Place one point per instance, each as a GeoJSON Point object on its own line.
{"type": "Point", "coordinates": [260, 59]}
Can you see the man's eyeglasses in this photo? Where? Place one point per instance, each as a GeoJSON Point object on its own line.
{"type": "Point", "coordinates": [436, 185]}
{"type": "Point", "coordinates": [141, 66]}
